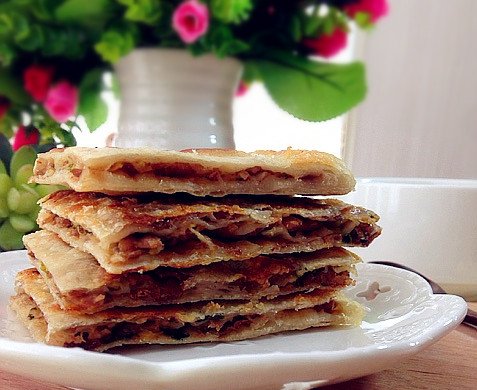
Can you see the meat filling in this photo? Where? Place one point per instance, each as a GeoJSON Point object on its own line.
{"type": "Point", "coordinates": [174, 286]}
{"type": "Point", "coordinates": [180, 233]}
{"type": "Point", "coordinates": [96, 337]}
{"type": "Point", "coordinates": [197, 172]}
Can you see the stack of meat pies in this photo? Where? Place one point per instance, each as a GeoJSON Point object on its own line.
{"type": "Point", "coordinates": [166, 247]}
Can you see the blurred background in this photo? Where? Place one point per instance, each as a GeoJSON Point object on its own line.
{"type": "Point", "coordinates": [387, 85]}
{"type": "Point", "coordinates": [419, 118]}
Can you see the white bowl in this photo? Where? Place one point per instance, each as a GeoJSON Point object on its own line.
{"type": "Point", "coordinates": [428, 224]}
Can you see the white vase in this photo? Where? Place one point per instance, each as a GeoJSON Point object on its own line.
{"type": "Point", "coordinates": [172, 100]}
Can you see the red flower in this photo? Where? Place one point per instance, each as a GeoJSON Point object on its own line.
{"type": "Point", "coordinates": [37, 80]}
{"type": "Point", "coordinates": [62, 101]}
{"type": "Point", "coordinates": [25, 136]}
{"type": "Point", "coordinates": [4, 106]}
{"type": "Point", "coordinates": [327, 45]}
{"type": "Point", "coordinates": [191, 20]}
{"type": "Point", "coordinates": [376, 9]}
{"type": "Point", "coordinates": [242, 88]}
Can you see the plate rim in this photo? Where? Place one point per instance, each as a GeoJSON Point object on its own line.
{"type": "Point", "coordinates": [157, 372]}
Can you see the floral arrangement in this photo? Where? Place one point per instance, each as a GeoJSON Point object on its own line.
{"type": "Point", "coordinates": [54, 54]}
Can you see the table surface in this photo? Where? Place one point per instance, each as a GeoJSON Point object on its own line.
{"type": "Point", "coordinates": [449, 363]}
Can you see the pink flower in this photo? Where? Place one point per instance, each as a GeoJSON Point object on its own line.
{"type": "Point", "coordinates": [4, 106]}
{"type": "Point", "coordinates": [327, 45]}
{"type": "Point", "coordinates": [242, 88]}
{"type": "Point", "coordinates": [62, 101]}
{"type": "Point", "coordinates": [376, 9]}
{"type": "Point", "coordinates": [25, 136]}
{"type": "Point", "coordinates": [37, 80]}
{"type": "Point", "coordinates": [191, 20]}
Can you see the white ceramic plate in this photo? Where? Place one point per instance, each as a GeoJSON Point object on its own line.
{"type": "Point", "coordinates": [403, 318]}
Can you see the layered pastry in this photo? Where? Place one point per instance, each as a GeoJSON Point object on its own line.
{"type": "Point", "coordinates": [142, 233]}
{"type": "Point", "coordinates": [165, 247]}
{"type": "Point", "coordinates": [77, 282]}
{"type": "Point", "coordinates": [198, 172]}
{"type": "Point", "coordinates": [174, 324]}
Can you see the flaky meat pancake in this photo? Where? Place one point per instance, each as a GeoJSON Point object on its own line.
{"type": "Point", "coordinates": [77, 281]}
{"type": "Point", "coordinates": [144, 232]}
{"type": "Point", "coordinates": [199, 172]}
{"type": "Point", "coordinates": [173, 324]}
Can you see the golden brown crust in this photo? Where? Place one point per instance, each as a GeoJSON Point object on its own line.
{"type": "Point", "coordinates": [77, 281]}
{"type": "Point", "coordinates": [198, 172]}
{"type": "Point", "coordinates": [174, 324]}
{"type": "Point", "coordinates": [125, 233]}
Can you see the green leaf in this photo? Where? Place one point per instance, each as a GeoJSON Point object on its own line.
{"type": "Point", "coordinates": [3, 169]}
{"type": "Point", "coordinates": [12, 88]}
{"type": "Point", "coordinates": [231, 11]}
{"type": "Point", "coordinates": [82, 12]}
{"type": "Point", "coordinates": [115, 87]}
{"type": "Point", "coordinates": [92, 106]}
{"type": "Point", "coordinates": [66, 42]}
{"type": "Point", "coordinates": [21, 27]}
{"type": "Point", "coordinates": [295, 29]}
{"type": "Point", "coordinates": [6, 24]}
{"type": "Point", "coordinates": [363, 20]}
{"type": "Point", "coordinates": [220, 40]}
{"type": "Point", "coordinates": [311, 90]}
{"type": "Point", "coordinates": [94, 110]}
{"type": "Point", "coordinates": [53, 134]}
{"type": "Point", "coordinates": [7, 55]}
{"type": "Point", "coordinates": [145, 11]}
{"type": "Point", "coordinates": [328, 26]}
{"type": "Point", "coordinates": [6, 126]}
{"type": "Point", "coordinates": [5, 150]}
{"type": "Point", "coordinates": [44, 9]}
{"type": "Point", "coordinates": [92, 81]}
{"type": "Point", "coordinates": [33, 40]}
{"type": "Point", "coordinates": [251, 72]}
{"type": "Point", "coordinates": [311, 24]}
{"type": "Point", "coordinates": [115, 44]}
{"type": "Point", "coordinates": [66, 137]}
{"type": "Point", "coordinates": [6, 131]}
